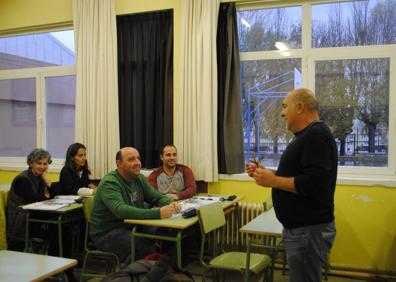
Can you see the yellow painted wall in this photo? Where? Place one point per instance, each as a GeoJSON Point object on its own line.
{"type": "Point", "coordinates": [26, 13]}
{"type": "Point", "coordinates": [364, 215]}
{"type": "Point", "coordinates": [6, 177]}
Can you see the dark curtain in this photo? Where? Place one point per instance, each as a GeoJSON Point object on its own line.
{"type": "Point", "coordinates": [229, 119]}
{"type": "Point", "coordinates": [145, 82]}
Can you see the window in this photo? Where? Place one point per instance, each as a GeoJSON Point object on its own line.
{"type": "Point", "coordinates": [264, 29]}
{"type": "Point", "coordinates": [354, 99]}
{"type": "Point", "coordinates": [60, 110]}
{"type": "Point", "coordinates": [346, 52]}
{"type": "Point", "coordinates": [37, 94]}
{"type": "Point", "coordinates": [357, 23]}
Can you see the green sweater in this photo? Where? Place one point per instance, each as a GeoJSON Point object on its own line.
{"type": "Point", "coordinates": [117, 199]}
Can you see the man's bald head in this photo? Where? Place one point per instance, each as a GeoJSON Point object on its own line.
{"type": "Point", "coordinates": [307, 97]}
{"type": "Point", "coordinates": [128, 163]}
{"type": "Point", "coordinates": [300, 108]}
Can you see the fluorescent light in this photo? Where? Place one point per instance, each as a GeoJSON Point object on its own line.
{"type": "Point", "coordinates": [245, 23]}
{"type": "Point", "coordinates": [281, 46]}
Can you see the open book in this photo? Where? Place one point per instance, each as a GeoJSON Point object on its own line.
{"type": "Point", "coordinates": [49, 205]}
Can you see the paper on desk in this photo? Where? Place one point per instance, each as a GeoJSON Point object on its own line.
{"type": "Point", "coordinates": [53, 204]}
{"type": "Point", "coordinates": [194, 203]}
{"type": "Point", "coordinates": [68, 197]}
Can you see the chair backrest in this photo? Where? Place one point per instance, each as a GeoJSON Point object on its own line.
{"type": "Point", "coordinates": [202, 186]}
{"type": "Point", "coordinates": [87, 205]}
{"type": "Point", "coordinates": [268, 203]}
{"type": "Point", "coordinates": [211, 217]}
{"type": "Point", "coordinates": [3, 224]}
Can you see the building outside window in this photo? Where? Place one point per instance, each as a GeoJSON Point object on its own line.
{"type": "Point", "coordinates": [37, 95]}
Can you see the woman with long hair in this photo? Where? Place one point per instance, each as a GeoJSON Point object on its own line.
{"type": "Point", "coordinates": [75, 173]}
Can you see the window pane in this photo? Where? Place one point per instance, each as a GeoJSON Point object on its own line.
{"type": "Point", "coordinates": [264, 85]}
{"type": "Point", "coordinates": [354, 99]}
{"type": "Point", "coordinates": [61, 101]}
{"type": "Point", "coordinates": [259, 30]}
{"type": "Point", "coordinates": [37, 50]}
{"type": "Point", "coordinates": [356, 23]}
{"type": "Point", "coordinates": [18, 117]}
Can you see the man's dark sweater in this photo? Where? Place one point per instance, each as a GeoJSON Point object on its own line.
{"type": "Point", "coordinates": [312, 159]}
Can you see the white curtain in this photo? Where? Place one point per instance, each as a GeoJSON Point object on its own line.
{"type": "Point", "coordinates": [97, 92]}
{"type": "Point", "coordinates": [196, 124]}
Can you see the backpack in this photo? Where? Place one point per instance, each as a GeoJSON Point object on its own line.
{"type": "Point", "coordinates": [163, 270]}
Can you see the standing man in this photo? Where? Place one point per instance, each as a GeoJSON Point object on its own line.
{"type": "Point", "coordinates": [120, 195]}
{"type": "Point", "coordinates": [172, 179]}
{"type": "Point", "coordinates": [303, 187]}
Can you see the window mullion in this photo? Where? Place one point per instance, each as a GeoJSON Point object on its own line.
{"type": "Point", "coordinates": [392, 115]}
{"type": "Point", "coordinates": [306, 46]}
{"type": "Point", "coordinates": [41, 112]}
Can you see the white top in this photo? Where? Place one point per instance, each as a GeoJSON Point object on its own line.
{"type": "Point", "coordinates": [18, 266]}
{"type": "Point", "coordinates": [265, 224]}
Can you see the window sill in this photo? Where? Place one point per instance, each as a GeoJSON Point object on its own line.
{"type": "Point", "coordinates": [343, 179]}
{"type": "Point", "coordinates": [54, 167]}
{"type": "Point", "coordinates": [350, 180]}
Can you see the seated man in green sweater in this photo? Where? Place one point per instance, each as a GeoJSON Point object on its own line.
{"type": "Point", "coordinates": [120, 195]}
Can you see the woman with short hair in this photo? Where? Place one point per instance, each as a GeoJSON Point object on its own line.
{"type": "Point", "coordinates": [30, 186]}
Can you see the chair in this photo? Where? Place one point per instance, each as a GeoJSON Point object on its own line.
{"type": "Point", "coordinates": [111, 260]}
{"type": "Point", "coordinates": [212, 220]}
{"type": "Point", "coordinates": [3, 201]}
{"type": "Point", "coordinates": [268, 204]}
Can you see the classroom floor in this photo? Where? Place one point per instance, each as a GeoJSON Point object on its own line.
{"type": "Point", "coordinates": [195, 269]}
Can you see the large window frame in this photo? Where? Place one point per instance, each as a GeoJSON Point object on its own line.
{"type": "Point", "coordinates": [308, 55]}
{"type": "Point", "coordinates": [39, 74]}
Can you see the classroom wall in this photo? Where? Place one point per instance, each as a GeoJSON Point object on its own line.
{"type": "Point", "coordinates": [6, 177]}
{"type": "Point", "coordinates": [16, 14]}
{"type": "Point", "coordinates": [364, 215]}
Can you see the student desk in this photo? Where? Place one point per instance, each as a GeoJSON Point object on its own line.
{"type": "Point", "coordinates": [265, 224]}
{"type": "Point", "coordinates": [183, 227]}
{"type": "Point", "coordinates": [59, 217]}
{"type": "Point", "coordinates": [18, 266]}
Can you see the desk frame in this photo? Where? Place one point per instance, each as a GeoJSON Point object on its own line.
{"type": "Point", "coordinates": [71, 213]}
{"type": "Point", "coordinates": [180, 234]}
{"type": "Point", "coordinates": [183, 226]}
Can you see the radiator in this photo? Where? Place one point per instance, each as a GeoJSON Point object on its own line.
{"type": "Point", "coordinates": [247, 211]}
